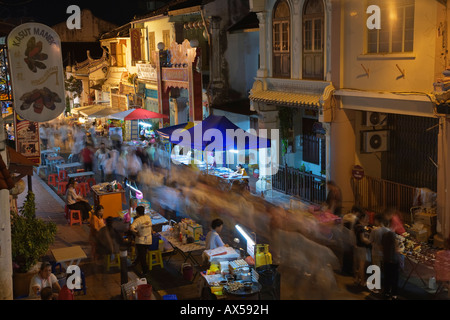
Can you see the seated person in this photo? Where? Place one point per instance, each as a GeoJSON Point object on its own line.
{"type": "Point", "coordinates": [213, 239]}
{"type": "Point", "coordinates": [240, 170]}
{"type": "Point", "coordinates": [44, 278]}
{"type": "Point", "coordinates": [75, 201]}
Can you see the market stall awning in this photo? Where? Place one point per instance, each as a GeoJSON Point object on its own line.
{"type": "Point", "coordinates": [9, 118]}
{"type": "Point", "coordinates": [86, 111]}
{"type": "Point", "coordinates": [105, 112]}
{"type": "Point", "coordinates": [137, 114]}
{"type": "Point", "coordinates": [219, 127]}
{"type": "Point", "coordinates": [287, 98]}
{"type": "Point", "coordinates": [166, 132]}
{"type": "Point", "coordinates": [20, 164]}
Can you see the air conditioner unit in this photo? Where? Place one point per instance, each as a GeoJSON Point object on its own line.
{"type": "Point", "coordinates": [371, 119]}
{"type": "Point", "coordinates": [375, 141]}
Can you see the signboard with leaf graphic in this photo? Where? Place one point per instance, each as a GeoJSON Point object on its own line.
{"type": "Point", "coordinates": [37, 74]}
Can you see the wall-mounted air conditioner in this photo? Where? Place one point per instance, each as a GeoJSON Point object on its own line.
{"type": "Point", "coordinates": [375, 141]}
{"type": "Point", "coordinates": [372, 119]}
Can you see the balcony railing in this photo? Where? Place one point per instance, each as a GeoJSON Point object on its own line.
{"type": "Point", "coordinates": [307, 186]}
{"type": "Point", "coordinates": [377, 195]}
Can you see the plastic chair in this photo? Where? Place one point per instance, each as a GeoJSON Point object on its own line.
{"type": "Point", "coordinates": [91, 182]}
{"type": "Point", "coordinates": [154, 258]}
{"type": "Point", "coordinates": [62, 186]}
{"type": "Point", "coordinates": [53, 179]}
{"type": "Point", "coordinates": [70, 158]}
{"type": "Point", "coordinates": [75, 217]}
{"type": "Point", "coordinates": [442, 269]}
{"type": "Point", "coordinates": [44, 167]}
{"type": "Point", "coordinates": [62, 175]}
{"type": "Point", "coordinates": [114, 263]}
{"type": "Point", "coordinates": [82, 188]}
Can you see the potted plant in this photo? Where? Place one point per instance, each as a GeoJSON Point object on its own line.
{"type": "Point", "coordinates": [31, 238]}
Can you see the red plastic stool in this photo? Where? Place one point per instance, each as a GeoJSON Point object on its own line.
{"type": "Point", "coordinates": [62, 186]}
{"type": "Point", "coordinates": [75, 217]}
{"type": "Point", "coordinates": [52, 179]}
{"type": "Point", "coordinates": [62, 176]}
{"type": "Point", "coordinates": [82, 188]}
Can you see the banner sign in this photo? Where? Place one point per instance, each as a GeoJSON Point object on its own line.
{"type": "Point", "coordinates": [37, 74]}
{"type": "Point", "coordinates": [27, 138]}
{"type": "Point", "coordinates": [135, 39]}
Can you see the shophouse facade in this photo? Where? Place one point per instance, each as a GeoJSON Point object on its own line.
{"type": "Point", "coordinates": [385, 118]}
{"type": "Point", "coordinates": [293, 90]}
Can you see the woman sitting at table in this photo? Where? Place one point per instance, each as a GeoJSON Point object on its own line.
{"type": "Point", "coordinates": [75, 201]}
{"type": "Point", "coordinates": [240, 170]}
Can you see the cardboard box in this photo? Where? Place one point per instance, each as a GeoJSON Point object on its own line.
{"type": "Point", "coordinates": [428, 219]}
{"type": "Point", "coordinates": [195, 231]}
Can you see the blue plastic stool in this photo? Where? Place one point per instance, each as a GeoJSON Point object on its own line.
{"type": "Point", "coordinates": [170, 297]}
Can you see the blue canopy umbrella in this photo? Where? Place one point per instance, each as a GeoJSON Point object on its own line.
{"type": "Point", "coordinates": [166, 132]}
{"type": "Point", "coordinates": [219, 133]}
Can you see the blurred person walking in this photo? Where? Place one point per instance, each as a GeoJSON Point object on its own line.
{"type": "Point", "coordinates": [362, 249]}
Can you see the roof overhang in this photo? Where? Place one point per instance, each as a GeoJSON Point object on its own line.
{"type": "Point", "coordinates": [407, 103]}
{"type": "Point", "coordinates": [295, 93]}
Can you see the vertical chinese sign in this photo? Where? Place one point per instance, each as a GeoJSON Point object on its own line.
{"type": "Point", "coordinates": [135, 40]}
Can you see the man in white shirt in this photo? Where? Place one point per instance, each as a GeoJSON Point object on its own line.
{"type": "Point", "coordinates": [142, 227]}
{"type": "Point", "coordinates": [44, 278]}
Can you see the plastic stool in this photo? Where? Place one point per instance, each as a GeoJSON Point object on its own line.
{"type": "Point", "coordinates": [52, 179]}
{"type": "Point", "coordinates": [62, 186]}
{"type": "Point", "coordinates": [154, 258]}
{"type": "Point", "coordinates": [170, 297]}
{"type": "Point", "coordinates": [75, 219]}
{"type": "Point", "coordinates": [114, 263]}
{"type": "Point", "coordinates": [62, 175]}
{"type": "Point", "coordinates": [83, 283]}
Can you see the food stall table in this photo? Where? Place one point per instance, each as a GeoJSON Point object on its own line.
{"type": "Point", "coordinates": [67, 166]}
{"type": "Point", "coordinates": [419, 268]}
{"type": "Point", "coordinates": [81, 174]}
{"type": "Point", "coordinates": [111, 201]}
{"type": "Point", "coordinates": [185, 250]}
{"type": "Point", "coordinates": [68, 256]}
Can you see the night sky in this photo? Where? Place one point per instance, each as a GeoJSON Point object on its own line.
{"type": "Point", "coordinates": [51, 12]}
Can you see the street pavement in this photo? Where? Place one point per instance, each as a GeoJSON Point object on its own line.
{"type": "Point", "coordinates": [103, 285]}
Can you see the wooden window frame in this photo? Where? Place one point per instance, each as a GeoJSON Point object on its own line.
{"type": "Point", "coordinates": [389, 31]}
{"type": "Point", "coordinates": [314, 48]}
{"type": "Point", "coordinates": [281, 42]}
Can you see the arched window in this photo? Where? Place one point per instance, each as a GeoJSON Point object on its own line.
{"type": "Point", "coordinates": [281, 41]}
{"type": "Point", "coordinates": [313, 40]}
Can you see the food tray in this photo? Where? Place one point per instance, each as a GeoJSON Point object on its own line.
{"type": "Point", "coordinates": [256, 287]}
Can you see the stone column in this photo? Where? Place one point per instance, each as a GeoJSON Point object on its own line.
{"type": "Point", "coordinates": [342, 153]}
{"type": "Point", "coordinates": [443, 178]}
{"type": "Point", "coordinates": [6, 274]}
{"type": "Point", "coordinates": [263, 47]}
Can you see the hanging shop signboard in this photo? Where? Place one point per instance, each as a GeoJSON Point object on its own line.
{"type": "Point", "coordinates": [27, 138]}
{"type": "Point", "coordinates": [34, 52]}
